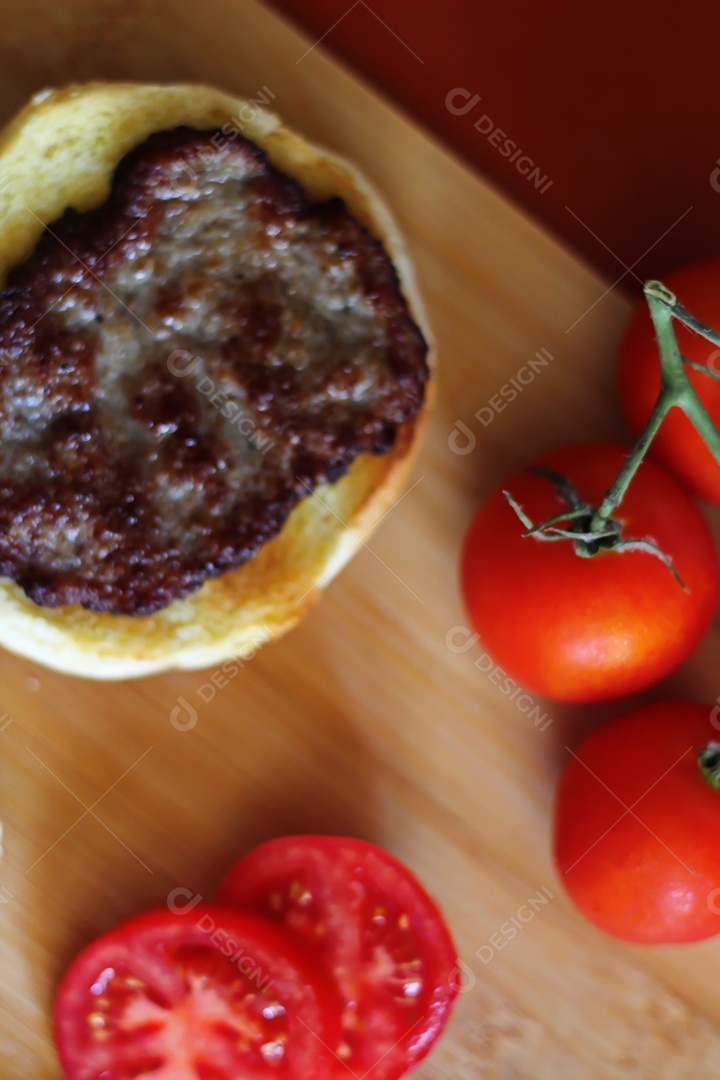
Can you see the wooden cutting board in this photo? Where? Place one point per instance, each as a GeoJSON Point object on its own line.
{"type": "Point", "coordinates": [363, 720]}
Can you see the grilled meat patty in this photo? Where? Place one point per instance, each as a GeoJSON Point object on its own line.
{"type": "Point", "coordinates": [181, 366]}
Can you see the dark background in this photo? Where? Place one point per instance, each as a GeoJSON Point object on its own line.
{"type": "Point", "coordinates": [616, 102]}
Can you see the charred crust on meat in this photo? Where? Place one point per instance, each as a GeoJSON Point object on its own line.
{"type": "Point", "coordinates": [181, 366]}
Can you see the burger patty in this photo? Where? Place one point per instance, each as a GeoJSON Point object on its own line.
{"type": "Point", "coordinates": [181, 366]}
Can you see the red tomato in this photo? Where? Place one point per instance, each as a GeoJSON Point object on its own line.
{"type": "Point", "coordinates": [376, 930]}
{"type": "Point", "coordinates": [209, 993]}
{"type": "Point", "coordinates": [637, 827]}
{"type": "Point", "coordinates": [580, 629]}
{"type": "Point", "coordinates": [677, 444]}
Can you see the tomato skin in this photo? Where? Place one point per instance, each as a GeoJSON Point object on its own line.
{"type": "Point", "coordinates": [678, 445]}
{"type": "Point", "coordinates": [341, 874]}
{"type": "Point", "coordinates": [144, 947]}
{"type": "Point", "coordinates": [578, 629]}
{"type": "Point", "coordinates": [661, 888]}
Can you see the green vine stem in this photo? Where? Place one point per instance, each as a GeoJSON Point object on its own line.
{"type": "Point", "coordinates": [593, 529]}
{"type": "Point", "coordinates": [676, 390]}
{"type": "Point", "coordinates": [709, 764]}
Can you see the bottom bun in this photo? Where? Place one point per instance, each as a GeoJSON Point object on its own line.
{"type": "Point", "coordinates": [62, 151]}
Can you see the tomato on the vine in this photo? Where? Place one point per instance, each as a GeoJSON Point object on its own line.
{"type": "Point", "coordinates": [376, 932]}
{"type": "Point", "coordinates": [637, 825]}
{"type": "Point", "coordinates": [208, 993]}
{"type": "Point", "coordinates": [678, 445]}
{"type": "Point", "coordinates": [584, 629]}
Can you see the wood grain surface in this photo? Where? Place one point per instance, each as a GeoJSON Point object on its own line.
{"type": "Point", "coordinates": [363, 720]}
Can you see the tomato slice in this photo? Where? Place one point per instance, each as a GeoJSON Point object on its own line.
{"type": "Point", "coordinates": [209, 994]}
{"type": "Point", "coordinates": [377, 932]}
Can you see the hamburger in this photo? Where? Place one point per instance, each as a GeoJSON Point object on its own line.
{"type": "Point", "coordinates": [214, 369]}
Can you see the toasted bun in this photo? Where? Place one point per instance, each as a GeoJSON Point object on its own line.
{"type": "Point", "coordinates": [61, 151]}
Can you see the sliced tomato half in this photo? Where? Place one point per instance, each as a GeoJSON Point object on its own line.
{"type": "Point", "coordinates": [210, 994]}
{"type": "Point", "coordinates": [378, 934]}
